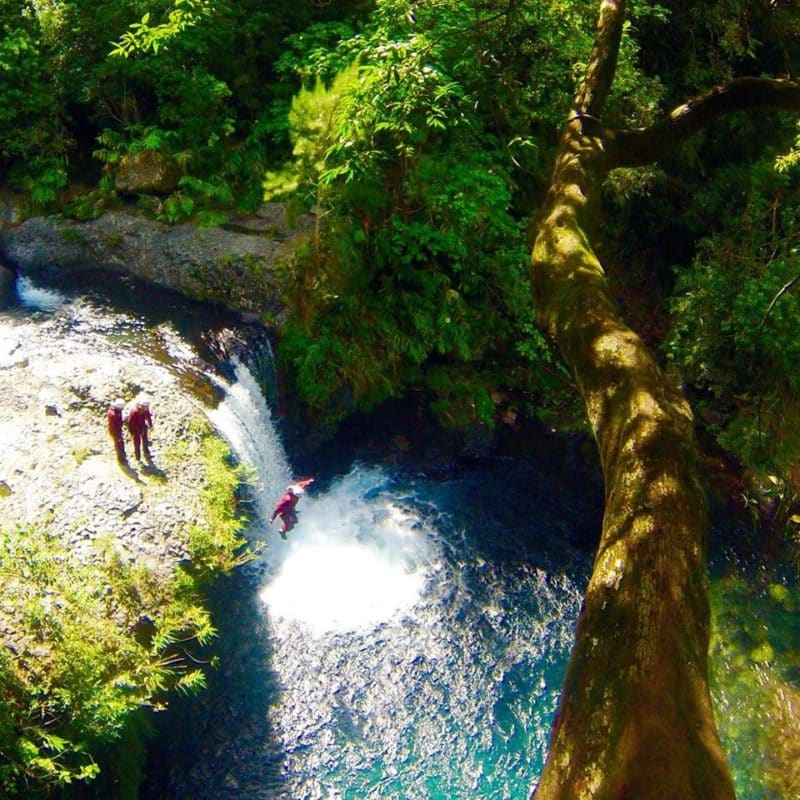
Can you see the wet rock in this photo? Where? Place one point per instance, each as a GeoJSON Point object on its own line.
{"type": "Point", "coordinates": [7, 280]}
{"type": "Point", "coordinates": [225, 265]}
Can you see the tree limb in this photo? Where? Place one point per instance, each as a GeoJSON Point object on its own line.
{"type": "Point", "coordinates": [634, 148]}
{"type": "Point", "coordinates": [785, 288]}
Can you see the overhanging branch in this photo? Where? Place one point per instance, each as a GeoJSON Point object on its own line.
{"type": "Point", "coordinates": [634, 148]}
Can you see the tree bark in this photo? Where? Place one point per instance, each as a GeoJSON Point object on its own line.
{"type": "Point", "coordinates": [635, 720]}
{"type": "Point", "coordinates": [634, 148]}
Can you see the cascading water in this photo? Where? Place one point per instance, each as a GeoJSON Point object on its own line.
{"type": "Point", "coordinates": [244, 418]}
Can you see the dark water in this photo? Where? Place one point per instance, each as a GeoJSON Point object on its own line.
{"type": "Point", "coordinates": [410, 638]}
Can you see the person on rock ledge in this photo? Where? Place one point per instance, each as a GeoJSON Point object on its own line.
{"type": "Point", "coordinates": [140, 422]}
{"type": "Point", "coordinates": [115, 422]}
{"type": "Point", "coordinates": [285, 507]}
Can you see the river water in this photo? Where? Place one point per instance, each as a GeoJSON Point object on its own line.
{"type": "Point", "coordinates": [409, 638]}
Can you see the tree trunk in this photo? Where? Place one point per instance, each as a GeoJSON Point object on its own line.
{"type": "Point", "coordinates": [635, 720]}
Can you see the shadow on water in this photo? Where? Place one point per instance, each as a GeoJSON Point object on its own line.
{"type": "Point", "coordinates": [218, 744]}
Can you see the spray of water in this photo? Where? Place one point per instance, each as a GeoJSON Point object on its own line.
{"type": "Point", "coordinates": [355, 560]}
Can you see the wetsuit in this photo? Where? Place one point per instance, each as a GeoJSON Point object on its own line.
{"type": "Point", "coordinates": [139, 423]}
{"type": "Point", "coordinates": [114, 417]}
{"type": "Point", "coordinates": [285, 509]}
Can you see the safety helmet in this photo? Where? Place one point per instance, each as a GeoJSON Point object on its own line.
{"type": "Point", "coordinates": [143, 400]}
{"type": "Point", "coordinates": [295, 489]}
{"type": "Point", "coordinates": [118, 403]}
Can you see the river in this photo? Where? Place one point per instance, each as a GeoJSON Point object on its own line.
{"type": "Point", "coordinates": [409, 638]}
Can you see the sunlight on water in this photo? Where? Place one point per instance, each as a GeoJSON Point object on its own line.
{"type": "Point", "coordinates": [352, 562]}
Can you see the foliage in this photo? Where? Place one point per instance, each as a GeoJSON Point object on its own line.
{"type": "Point", "coordinates": [791, 160]}
{"type": "Point", "coordinates": [215, 547]}
{"type": "Point", "coordinates": [142, 36]}
{"type": "Point", "coordinates": [32, 142]}
{"type": "Point", "coordinates": [753, 673]}
{"type": "Point", "coordinates": [736, 322]}
{"type": "Point", "coordinates": [198, 70]}
{"type": "Point", "coordinates": [100, 637]}
{"type": "Point", "coordinates": [419, 190]}
{"type": "Point", "coordinates": [81, 667]}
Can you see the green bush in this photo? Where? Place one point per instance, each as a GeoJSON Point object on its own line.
{"type": "Point", "coordinates": [736, 325]}
{"type": "Point", "coordinates": [80, 665]}
{"type": "Point", "coordinates": [99, 640]}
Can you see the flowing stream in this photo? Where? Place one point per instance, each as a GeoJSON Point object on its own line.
{"type": "Point", "coordinates": [409, 638]}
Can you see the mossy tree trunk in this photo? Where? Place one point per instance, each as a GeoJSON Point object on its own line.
{"type": "Point", "coordinates": [635, 720]}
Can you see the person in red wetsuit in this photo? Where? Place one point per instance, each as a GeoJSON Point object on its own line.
{"type": "Point", "coordinates": [285, 507]}
{"type": "Point", "coordinates": [115, 421]}
{"type": "Point", "coordinates": [140, 422]}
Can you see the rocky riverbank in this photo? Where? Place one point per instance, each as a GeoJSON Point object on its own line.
{"type": "Point", "coordinates": [102, 563]}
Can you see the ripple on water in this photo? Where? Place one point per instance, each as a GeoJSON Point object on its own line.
{"type": "Point", "coordinates": [441, 685]}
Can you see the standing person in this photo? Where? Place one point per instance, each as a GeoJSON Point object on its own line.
{"type": "Point", "coordinates": [285, 507]}
{"type": "Point", "coordinates": [115, 421]}
{"type": "Point", "coordinates": [140, 422]}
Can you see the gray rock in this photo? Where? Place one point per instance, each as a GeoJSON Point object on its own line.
{"type": "Point", "coordinates": [227, 266]}
{"type": "Point", "coordinates": [61, 472]}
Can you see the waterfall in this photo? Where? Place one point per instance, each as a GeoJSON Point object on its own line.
{"type": "Point", "coordinates": [356, 557]}
{"type": "Point", "coordinates": [390, 654]}
{"type": "Point", "coordinates": [245, 420]}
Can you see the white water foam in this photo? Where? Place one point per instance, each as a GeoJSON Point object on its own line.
{"type": "Point", "coordinates": [36, 297]}
{"type": "Point", "coordinates": [355, 560]}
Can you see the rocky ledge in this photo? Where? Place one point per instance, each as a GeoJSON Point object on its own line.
{"type": "Point", "coordinates": [233, 264]}
{"type": "Point", "coordinates": [58, 467]}
{"type": "Point", "coordinates": [103, 564]}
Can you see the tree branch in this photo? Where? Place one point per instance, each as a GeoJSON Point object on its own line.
{"type": "Point", "coordinates": [785, 288]}
{"type": "Point", "coordinates": [634, 148]}
{"type": "Point", "coordinates": [602, 60]}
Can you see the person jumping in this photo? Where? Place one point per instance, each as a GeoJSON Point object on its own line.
{"type": "Point", "coordinates": [285, 507]}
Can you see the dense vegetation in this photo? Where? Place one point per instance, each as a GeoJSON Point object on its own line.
{"type": "Point", "coordinates": [422, 135]}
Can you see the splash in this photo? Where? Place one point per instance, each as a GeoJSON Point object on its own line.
{"type": "Point", "coordinates": [356, 559]}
